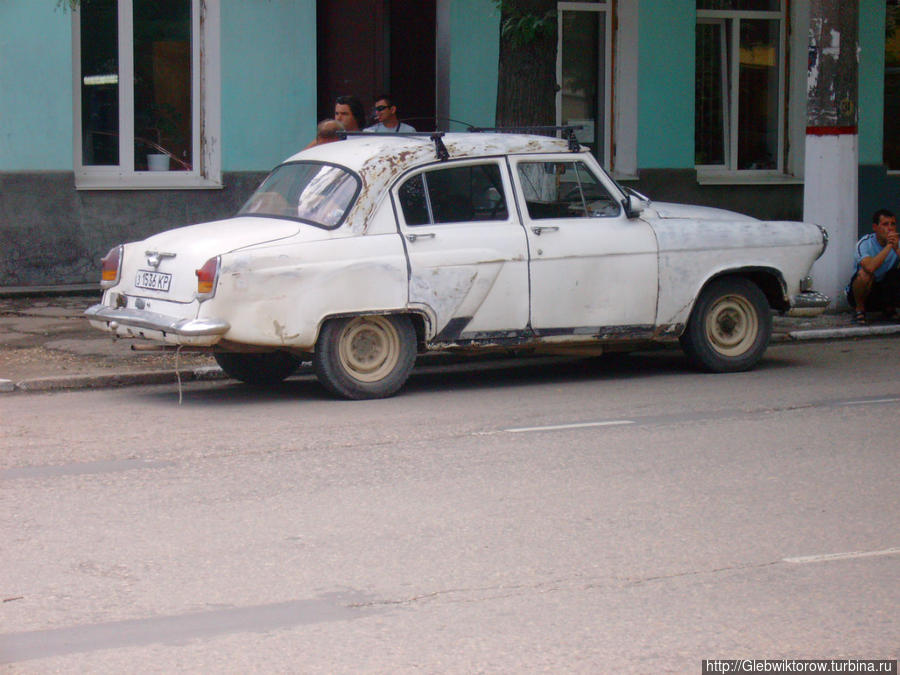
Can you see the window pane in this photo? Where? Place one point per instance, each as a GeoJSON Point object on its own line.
{"type": "Point", "coordinates": [540, 187]}
{"type": "Point", "coordinates": [317, 193]}
{"type": "Point", "coordinates": [99, 83]}
{"type": "Point", "coordinates": [596, 200]}
{"type": "Point", "coordinates": [466, 193]}
{"type": "Point", "coordinates": [488, 201]}
{"type": "Point", "coordinates": [412, 202]}
{"type": "Point", "coordinates": [758, 95]}
{"type": "Point", "coordinates": [162, 84]}
{"type": "Point", "coordinates": [582, 58]}
{"type": "Point", "coordinates": [564, 190]}
{"type": "Point", "coordinates": [710, 94]}
{"type": "Point", "coordinates": [741, 5]}
{"type": "Point", "coordinates": [892, 87]}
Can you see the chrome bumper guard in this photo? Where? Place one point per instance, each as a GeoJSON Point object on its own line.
{"type": "Point", "coordinates": [133, 323]}
{"type": "Point", "coordinates": [809, 303]}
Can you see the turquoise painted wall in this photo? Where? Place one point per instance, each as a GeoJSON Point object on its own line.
{"type": "Point", "coordinates": [871, 81]}
{"type": "Point", "coordinates": [35, 86]}
{"type": "Point", "coordinates": [268, 81]}
{"type": "Point", "coordinates": [474, 57]}
{"type": "Point", "coordinates": [666, 84]}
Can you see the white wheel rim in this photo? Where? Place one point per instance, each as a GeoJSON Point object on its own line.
{"type": "Point", "coordinates": [369, 348]}
{"type": "Point", "coordinates": [732, 325]}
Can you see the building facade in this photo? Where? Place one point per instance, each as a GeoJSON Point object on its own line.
{"type": "Point", "coordinates": [123, 118]}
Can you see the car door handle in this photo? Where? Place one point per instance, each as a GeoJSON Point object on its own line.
{"type": "Point", "coordinates": [540, 229]}
{"type": "Point", "coordinates": [412, 237]}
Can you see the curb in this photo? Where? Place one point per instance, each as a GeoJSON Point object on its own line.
{"type": "Point", "coordinates": [113, 379]}
{"type": "Point", "coordinates": [210, 373]}
{"type": "Point", "coordinates": [839, 333]}
{"type": "Point", "coordinates": [50, 291]}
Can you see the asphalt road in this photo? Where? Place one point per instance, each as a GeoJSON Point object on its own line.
{"type": "Point", "coordinates": [611, 515]}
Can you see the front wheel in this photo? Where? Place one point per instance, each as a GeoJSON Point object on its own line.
{"type": "Point", "coordinates": [365, 356]}
{"type": "Point", "coordinates": [729, 327]}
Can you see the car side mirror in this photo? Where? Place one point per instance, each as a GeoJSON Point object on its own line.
{"type": "Point", "coordinates": [632, 205]}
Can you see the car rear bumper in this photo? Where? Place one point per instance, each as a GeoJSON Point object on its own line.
{"type": "Point", "coordinates": [151, 326]}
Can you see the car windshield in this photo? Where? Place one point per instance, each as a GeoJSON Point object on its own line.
{"type": "Point", "coordinates": [315, 193]}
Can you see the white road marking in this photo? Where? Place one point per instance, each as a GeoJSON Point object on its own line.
{"type": "Point", "coordinates": [558, 427]}
{"type": "Point", "coordinates": [874, 400]}
{"type": "Point", "coordinates": [826, 557]}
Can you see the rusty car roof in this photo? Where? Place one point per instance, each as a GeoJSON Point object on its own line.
{"type": "Point", "coordinates": [402, 151]}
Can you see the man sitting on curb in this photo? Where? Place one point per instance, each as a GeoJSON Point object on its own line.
{"type": "Point", "coordinates": [876, 279]}
{"type": "Point", "coordinates": [386, 112]}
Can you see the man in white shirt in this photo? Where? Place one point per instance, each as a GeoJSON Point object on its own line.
{"type": "Point", "coordinates": [386, 113]}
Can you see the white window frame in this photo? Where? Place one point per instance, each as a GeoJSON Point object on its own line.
{"type": "Point", "coordinates": [624, 92]}
{"type": "Point", "coordinates": [732, 84]}
{"type": "Point", "coordinates": [206, 115]}
{"type": "Point", "coordinates": [607, 66]}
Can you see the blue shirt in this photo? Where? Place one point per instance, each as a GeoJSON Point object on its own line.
{"type": "Point", "coordinates": [868, 247]}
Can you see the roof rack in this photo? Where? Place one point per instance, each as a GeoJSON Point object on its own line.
{"type": "Point", "coordinates": [435, 136]}
{"type": "Point", "coordinates": [567, 130]}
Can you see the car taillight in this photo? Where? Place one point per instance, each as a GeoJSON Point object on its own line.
{"type": "Point", "coordinates": [110, 267]}
{"type": "Point", "coordinates": [207, 277]}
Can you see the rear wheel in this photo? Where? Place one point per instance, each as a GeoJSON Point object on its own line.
{"type": "Point", "coordinates": [729, 328]}
{"type": "Point", "coordinates": [259, 370]}
{"type": "Point", "coordinates": [365, 356]}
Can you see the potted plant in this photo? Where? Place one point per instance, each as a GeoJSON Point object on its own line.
{"type": "Point", "coordinates": [158, 125]}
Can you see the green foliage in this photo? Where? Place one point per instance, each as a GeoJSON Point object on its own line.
{"type": "Point", "coordinates": [892, 44]}
{"type": "Point", "coordinates": [523, 28]}
{"type": "Point", "coordinates": [67, 4]}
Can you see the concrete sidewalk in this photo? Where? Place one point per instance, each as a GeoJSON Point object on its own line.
{"type": "Point", "coordinates": [46, 344]}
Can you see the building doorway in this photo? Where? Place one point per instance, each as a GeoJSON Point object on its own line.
{"type": "Point", "coordinates": [583, 55]}
{"type": "Point", "coordinates": [380, 46]}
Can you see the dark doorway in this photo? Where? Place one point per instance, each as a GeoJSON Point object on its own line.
{"type": "Point", "coordinates": [378, 46]}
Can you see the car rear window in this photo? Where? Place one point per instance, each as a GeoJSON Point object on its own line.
{"type": "Point", "coordinates": [316, 193]}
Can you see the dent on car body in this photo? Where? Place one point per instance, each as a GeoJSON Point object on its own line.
{"type": "Point", "coordinates": [444, 289]}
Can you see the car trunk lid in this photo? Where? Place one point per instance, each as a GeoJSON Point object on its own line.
{"type": "Point", "coordinates": [164, 265]}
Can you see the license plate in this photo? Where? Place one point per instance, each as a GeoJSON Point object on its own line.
{"type": "Point", "coordinates": [153, 281]}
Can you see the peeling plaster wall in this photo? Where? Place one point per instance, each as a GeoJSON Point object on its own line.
{"type": "Point", "coordinates": [781, 201]}
{"type": "Point", "coordinates": [666, 84]}
{"type": "Point", "coordinates": [474, 58]}
{"type": "Point", "coordinates": [871, 80]}
{"type": "Point", "coordinates": [877, 187]}
{"type": "Point", "coordinates": [268, 81]}
{"type": "Point", "coordinates": [52, 234]}
{"type": "Point", "coordinates": [35, 93]}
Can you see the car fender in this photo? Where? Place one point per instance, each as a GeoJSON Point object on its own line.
{"type": "Point", "coordinates": [693, 252]}
{"type": "Point", "coordinates": [280, 296]}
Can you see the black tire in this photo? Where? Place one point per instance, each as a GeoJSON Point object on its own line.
{"type": "Point", "coordinates": [365, 356]}
{"type": "Point", "coordinates": [259, 370]}
{"type": "Point", "coordinates": [729, 327]}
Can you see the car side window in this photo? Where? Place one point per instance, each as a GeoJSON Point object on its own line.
{"type": "Point", "coordinates": [564, 190]}
{"type": "Point", "coordinates": [456, 194]}
{"type": "Point", "coordinates": [413, 201]}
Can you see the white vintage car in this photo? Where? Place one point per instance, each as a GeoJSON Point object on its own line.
{"type": "Point", "coordinates": [360, 254]}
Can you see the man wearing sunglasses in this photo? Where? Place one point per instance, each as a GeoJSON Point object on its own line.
{"type": "Point", "coordinates": [386, 114]}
